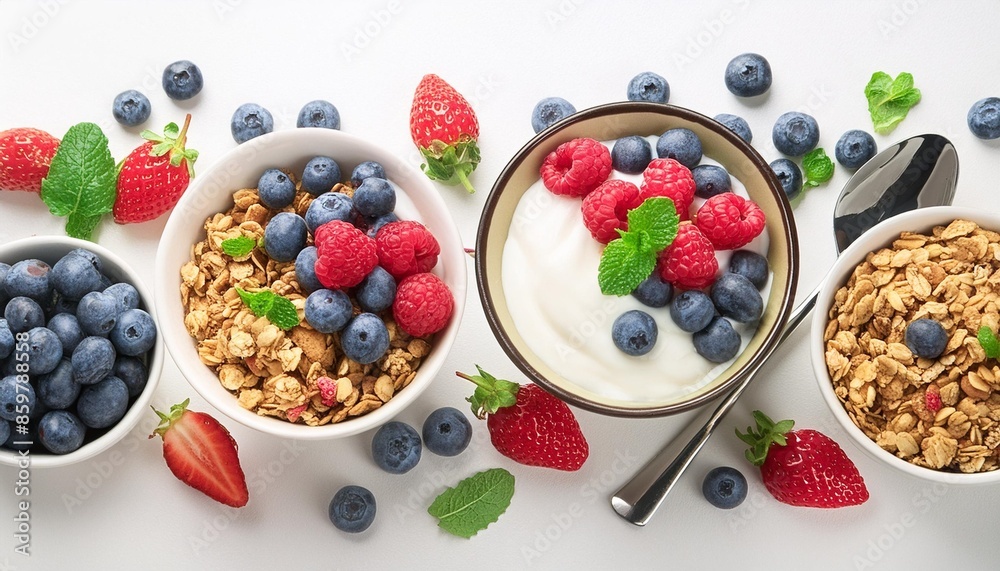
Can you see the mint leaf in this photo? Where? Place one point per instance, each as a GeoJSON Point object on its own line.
{"type": "Point", "coordinates": [283, 313]}
{"type": "Point", "coordinates": [260, 302]}
{"type": "Point", "coordinates": [239, 246]}
{"type": "Point", "coordinates": [474, 503]}
{"type": "Point", "coordinates": [623, 267]}
{"type": "Point", "coordinates": [817, 168]}
{"type": "Point", "coordinates": [81, 180]}
{"type": "Point", "coordinates": [890, 100]}
{"type": "Point", "coordinates": [655, 221]}
{"type": "Point", "coordinates": [989, 342]}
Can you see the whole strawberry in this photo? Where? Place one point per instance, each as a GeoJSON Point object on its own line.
{"type": "Point", "coordinates": [527, 424]}
{"type": "Point", "coordinates": [153, 177]}
{"type": "Point", "coordinates": [25, 156]}
{"type": "Point", "coordinates": [445, 129]}
{"type": "Point", "coordinates": [803, 467]}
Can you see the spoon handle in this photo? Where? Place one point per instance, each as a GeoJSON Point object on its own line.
{"type": "Point", "coordinates": [639, 499]}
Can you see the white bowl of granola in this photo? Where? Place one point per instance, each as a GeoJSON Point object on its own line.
{"type": "Point", "coordinates": [250, 369]}
{"type": "Point", "coordinates": [933, 418]}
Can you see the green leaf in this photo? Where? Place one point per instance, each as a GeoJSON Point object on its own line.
{"type": "Point", "coordinates": [81, 180]}
{"type": "Point", "coordinates": [491, 393]}
{"type": "Point", "coordinates": [283, 313]}
{"type": "Point", "coordinates": [451, 164]}
{"type": "Point", "coordinates": [474, 503]}
{"type": "Point", "coordinates": [768, 432]}
{"type": "Point", "coordinates": [817, 168]}
{"type": "Point", "coordinates": [239, 246]}
{"type": "Point", "coordinates": [656, 222]}
{"type": "Point", "coordinates": [623, 267]}
{"type": "Point", "coordinates": [890, 100]}
{"type": "Point", "coordinates": [989, 342]}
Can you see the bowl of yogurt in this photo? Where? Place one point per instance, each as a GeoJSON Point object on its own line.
{"type": "Point", "coordinates": [537, 266]}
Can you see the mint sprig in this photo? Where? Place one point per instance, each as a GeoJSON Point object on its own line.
{"type": "Point", "coordinates": [239, 246]}
{"type": "Point", "coordinates": [889, 100]}
{"type": "Point", "coordinates": [989, 342]}
{"type": "Point", "coordinates": [277, 309]}
{"type": "Point", "coordinates": [631, 258]}
{"type": "Point", "coordinates": [475, 503]}
{"type": "Point", "coordinates": [81, 180]}
{"type": "Point", "coordinates": [817, 168]}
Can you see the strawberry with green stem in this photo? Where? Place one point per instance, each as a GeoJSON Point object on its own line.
{"type": "Point", "coordinates": [25, 156]}
{"type": "Point", "coordinates": [445, 129]}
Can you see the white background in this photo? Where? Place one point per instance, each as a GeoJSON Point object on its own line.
{"type": "Point", "coordinates": [62, 62]}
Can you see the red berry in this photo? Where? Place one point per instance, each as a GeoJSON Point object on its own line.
{"type": "Point", "coordinates": [730, 221]}
{"type": "Point", "coordinates": [344, 255]}
{"type": "Point", "coordinates": [25, 156]}
{"type": "Point", "coordinates": [689, 262]}
{"type": "Point", "coordinates": [605, 210]}
{"type": "Point", "coordinates": [423, 304]}
{"type": "Point", "coordinates": [327, 390]}
{"type": "Point", "coordinates": [406, 247]}
{"type": "Point", "coordinates": [444, 127]}
{"type": "Point", "coordinates": [153, 177]}
{"type": "Point", "coordinates": [669, 178]}
{"type": "Point", "coordinates": [576, 167]}
{"type": "Point", "coordinates": [932, 398]}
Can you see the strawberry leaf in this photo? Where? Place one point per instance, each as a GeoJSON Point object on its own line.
{"type": "Point", "coordinates": [451, 164]}
{"type": "Point", "coordinates": [491, 393]}
{"type": "Point", "coordinates": [768, 432]}
{"type": "Point", "coordinates": [475, 503]}
{"type": "Point", "coordinates": [81, 180]}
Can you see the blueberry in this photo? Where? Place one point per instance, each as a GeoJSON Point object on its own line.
{"type": "Point", "coordinates": [23, 441]}
{"type": "Point", "coordinates": [329, 206]}
{"type": "Point", "coordinates": [182, 80]}
{"type": "Point", "coordinates": [320, 174]}
{"type": "Point", "coordinates": [285, 236]}
{"type": "Point", "coordinates": [631, 154]}
{"type": "Point", "coordinates": [352, 509]}
{"type": "Point", "coordinates": [133, 373]}
{"type": "Point", "coordinates": [736, 124]}
{"type": "Point", "coordinates": [61, 432]}
{"type": "Point", "coordinates": [984, 118]}
{"type": "Point", "coordinates": [57, 389]}
{"type": "Point", "coordinates": [250, 120]}
{"type": "Point", "coordinates": [653, 291]}
{"type": "Point", "coordinates": [648, 86]}
{"type": "Point", "coordinates": [23, 313]}
{"type": "Point", "coordinates": [377, 291]}
{"type": "Point", "coordinates": [724, 487]}
{"type": "Point", "coordinates": [125, 295]}
{"type": "Point", "coordinates": [549, 111]}
{"type": "Point", "coordinates": [73, 276]}
{"type": "Point", "coordinates": [91, 257]}
{"type": "Point", "coordinates": [736, 298]}
{"type": "Point", "coordinates": [16, 399]}
{"type": "Point", "coordinates": [795, 133]}
{"type": "Point", "coordinates": [29, 278]}
{"type": "Point", "coordinates": [396, 447]}
{"type": "Point", "coordinates": [854, 148]}
{"type": "Point", "coordinates": [692, 310]}
{"type": "Point", "coordinates": [64, 305]}
{"type": "Point", "coordinates": [305, 269]}
{"type": "Point", "coordinates": [4, 431]}
{"type": "Point", "coordinates": [134, 333]}
{"type": "Point", "coordinates": [748, 75]}
{"type": "Point", "coordinates": [789, 175]}
{"type": "Point", "coordinates": [93, 359]}
{"type": "Point", "coordinates": [6, 339]}
{"type": "Point", "coordinates": [710, 180]}
{"type": "Point", "coordinates": [97, 313]}
{"type": "Point", "coordinates": [447, 432]}
{"type": "Point", "coordinates": [379, 222]}
{"type": "Point", "coordinates": [926, 338]}
{"type": "Point", "coordinates": [365, 170]}
{"type": "Point", "coordinates": [750, 265]}
{"type": "Point", "coordinates": [365, 339]}
{"type": "Point", "coordinates": [375, 197]}
{"type": "Point", "coordinates": [4, 269]}
{"type": "Point", "coordinates": [718, 342]}
{"type": "Point", "coordinates": [44, 351]}
{"type": "Point", "coordinates": [276, 189]}
{"type": "Point", "coordinates": [130, 108]}
{"type": "Point", "coordinates": [104, 404]}
{"type": "Point", "coordinates": [319, 113]}
{"type": "Point", "coordinates": [634, 332]}
{"type": "Point", "coordinates": [106, 282]}
{"type": "Point", "coordinates": [328, 311]}
{"type": "Point", "coordinates": [680, 144]}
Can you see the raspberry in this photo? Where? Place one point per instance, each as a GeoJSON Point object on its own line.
{"type": "Point", "coordinates": [932, 398]}
{"type": "Point", "coordinates": [669, 178]}
{"type": "Point", "coordinates": [689, 262]}
{"type": "Point", "coordinates": [327, 390]}
{"type": "Point", "coordinates": [406, 248]}
{"type": "Point", "coordinates": [423, 304]}
{"type": "Point", "coordinates": [344, 255]}
{"type": "Point", "coordinates": [293, 414]}
{"type": "Point", "coordinates": [730, 221]}
{"type": "Point", "coordinates": [606, 209]}
{"type": "Point", "coordinates": [576, 167]}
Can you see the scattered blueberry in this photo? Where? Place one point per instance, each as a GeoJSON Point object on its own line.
{"type": "Point", "coordinates": [134, 333]}
{"type": "Point", "coordinates": [305, 269]}
{"type": "Point", "coordinates": [680, 144]}
{"type": "Point", "coordinates": [736, 124]}
{"type": "Point", "coordinates": [29, 278]}
{"type": "Point", "coordinates": [57, 389]}
{"type": "Point", "coordinates": [648, 86]}
{"type": "Point", "coordinates": [61, 432]}
{"type": "Point", "coordinates": [250, 120]}
{"type": "Point", "coordinates": [73, 276]}
{"type": "Point", "coordinates": [854, 148]}
{"type": "Point", "coordinates": [133, 373]}
{"type": "Point", "coordinates": [631, 154]}
{"type": "Point", "coordinates": [6, 339]}
{"type": "Point", "coordinates": [23, 313]}
{"type": "Point", "coordinates": [319, 113]}
{"type": "Point", "coordinates": [44, 351]}
{"type": "Point", "coordinates": [182, 80]}
{"type": "Point", "coordinates": [447, 432]}
{"type": "Point", "coordinates": [710, 180]}
{"type": "Point", "coordinates": [926, 338]}
{"type": "Point", "coordinates": [131, 108]}
{"type": "Point", "coordinates": [329, 206]}
{"type": "Point", "coordinates": [984, 118]}
{"type": "Point", "coordinates": [724, 487]}
{"type": "Point", "coordinates": [789, 175]}
{"type": "Point", "coordinates": [328, 311]}
{"type": "Point", "coordinates": [750, 265]}
{"type": "Point", "coordinates": [634, 332]}
{"type": "Point", "coordinates": [736, 298]}
{"type": "Point", "coordinates": [653, 291]}
{"type": "Point", "coordinates": [692, 310]}
{"type": "Point", "coordinates": [379, 222]}
{"type": "Point", "coordinates": [795, 133]}
{"type": "Point", "coordinates": [103, 404]}
{"type": "Point", "coordinates": [285, 236]}
{"type": "Point", "coordinates": [365, 170]}
{"type": "Point", "coordinates": [365, 339]}
{"type": "Point", "coordinates": [125, 295]}
{"type": "Point", "coordinates": [377, 291]}
{"type": "Point", "coordinates": [92, 360]}
{"type": "Point", "coordinates": [276, 189]}
{"type": "Point", "coordinates": [549, 111]}
{"type": "Point", "coordinates": [375, 197]}
{"type": "Point", "coordinates": [320, 174]}
{"type": "Point", "coordinates": [97, 313]}
{"type": "Point", "coordinates": [718, 342]}
{"type": "Point", "coordinates": [352, 509]}
{"type": "Point", "coordinates": [748, 75]}
{"type": "Point", "coordinates": [12, 406]}
{"type": "Point", "coordinates": [396, 447]}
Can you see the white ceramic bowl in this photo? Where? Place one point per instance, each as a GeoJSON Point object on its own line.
{"type": "Point", "coordinates": [49, 249]}
{"type": "Point", "coordinates": [921, 220]}
{"type": "Point", "coordinates": [212, 192]}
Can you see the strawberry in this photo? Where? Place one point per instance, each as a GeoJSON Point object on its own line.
{"type": "Point", "coordinates": [202, 454]}
{"type": "Point", "coordinates": [154, 176]}
{"type": "Point", "coordinates": [527, 424]}
{"type": "Point", "coordinates": [25, 155]}
{"type": "Point", "coordinates": [444, 127]}
{"type": "Point", "coordinates": [806, 468]}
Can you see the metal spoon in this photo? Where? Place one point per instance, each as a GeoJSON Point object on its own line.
{"type": "Point", "coordinates": [917, 172]}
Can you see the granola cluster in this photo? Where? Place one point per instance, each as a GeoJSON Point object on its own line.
{"type": "Point", "coordinates": [299, 375]}
{"type": "Point", "coordinates": [939, 413]}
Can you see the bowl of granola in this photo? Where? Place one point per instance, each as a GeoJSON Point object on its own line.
{"type": "Point", "coordinates": [310, 284]}
{"type": "Point", "coordinates": [896, 346]}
